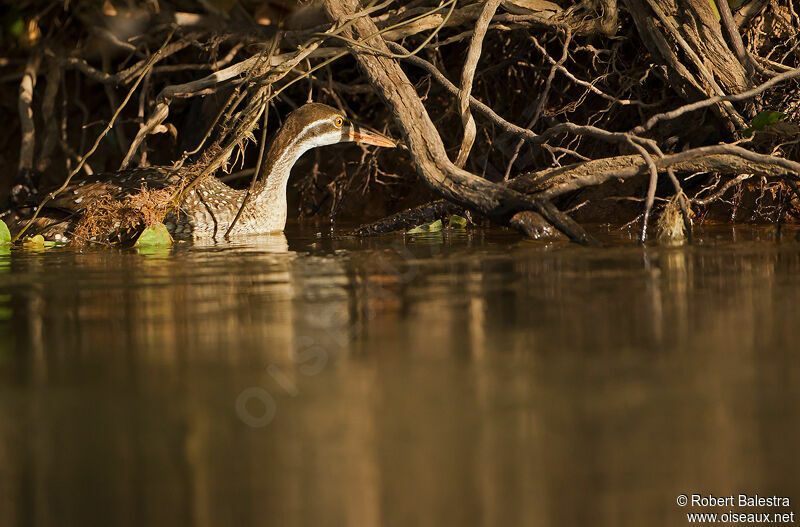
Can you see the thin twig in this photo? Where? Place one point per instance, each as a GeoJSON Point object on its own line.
{"type": "Point", "coordinates": [256, 173]}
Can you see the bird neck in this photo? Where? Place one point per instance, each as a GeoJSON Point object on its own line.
{"type": "Point", "coordinates": [288, 145]}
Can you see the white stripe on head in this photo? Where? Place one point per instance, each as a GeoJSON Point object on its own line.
{"type": "Point", "coordinates": [292, 153]}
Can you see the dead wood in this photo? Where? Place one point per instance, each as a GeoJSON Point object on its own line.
{"type": "Point", "coordinates": [710, 68]}
{"type": "Point", "coordinates": [407, 219]}
{"type": "Point", "coordinates": [528, 107]}
{"type": "Point", "coordinates": [425, 145]}
{"type": "Point", "coordinates": [721, 159]}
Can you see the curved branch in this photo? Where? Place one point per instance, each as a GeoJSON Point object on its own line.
{"type": "Point", "coordinates": [426, 146]}
{"type": "Point", "coordinates": [467, 75]}
{"type": "Point", "coordinates": [725, 159]}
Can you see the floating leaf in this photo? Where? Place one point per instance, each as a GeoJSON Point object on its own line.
{"type": "Point", "coordinates": [5, 234]}
{"type": "Point", "coordinates": [456, 222]}
{"type": "Point", "coordinates": [764, 119]}
{"type": "Point", "coordinates": [154, 236]}
{"type": "Point", "coordinates": [434, 226]}
{"type": "Point", "coordinates": [34, 243]}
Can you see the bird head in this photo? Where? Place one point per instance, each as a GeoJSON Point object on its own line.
{"type": "Point", "coordinates": [316, 124]}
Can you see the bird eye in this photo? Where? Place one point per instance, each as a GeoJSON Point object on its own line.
{"type": "Point", "coordinates": [338, 122]}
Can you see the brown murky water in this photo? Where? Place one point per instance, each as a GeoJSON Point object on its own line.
{"type": "Point", "coordinates": [455, 379]}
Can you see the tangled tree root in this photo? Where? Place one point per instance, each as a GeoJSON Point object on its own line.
{"type": "Point", "coordinates": [579, 94]}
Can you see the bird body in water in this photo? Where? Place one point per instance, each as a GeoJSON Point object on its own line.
{"type": "Point", "coordinates": [209, 207]}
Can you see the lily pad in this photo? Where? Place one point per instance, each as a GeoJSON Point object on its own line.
{"type": "Point", "coordinates": [36, 243]}
{"type": "Point", "coordinates": [434, 226]}
{"type": "Point", "coordinates": [5, 234]}
{"type": "Point", "coordinates": [764, 119]}
{"type": "Point", "coordinates": [33, 241]}
{"type": "Point", "coordinates": [154, 236]}
{"type": "Point", "coordinates": [456, 222]}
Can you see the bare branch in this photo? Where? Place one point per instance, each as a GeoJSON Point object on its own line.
{"type": "Point", "coordinates": [468, 73]}
{"type": "Point", "coordinates": [27, 126]}
{"type": "Point", "coordinates": [725, 159]}
{"type": "Point", "coordinates": [424, 142]}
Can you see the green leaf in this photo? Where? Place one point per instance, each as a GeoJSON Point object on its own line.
{"type": "Point", "coordinates": [767, 118]}
{"type": "Point", "coordinates": [456, 222]}
{"type": "Point", "coordinates": [434, 226]}
{"type": "Point", "coordinates": [5, 234]}
{"type": "Point", "coordinates": [34, 243]}
{"type": "Point", "coordinates": [154, 236]}
{"type": "Point", "coordinates": [37, 240]}
{"type": "Point", "coordinates": [764, 119]}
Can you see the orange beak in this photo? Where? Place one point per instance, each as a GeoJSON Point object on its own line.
{"type": "Point", "coordinates": [360, 134]}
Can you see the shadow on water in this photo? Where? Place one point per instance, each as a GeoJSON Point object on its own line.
{"type": "Point", "coordinates": [452, 379]}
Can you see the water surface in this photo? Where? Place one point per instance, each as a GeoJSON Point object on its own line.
{"type": "Point", "coordinates": [469, 378]}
